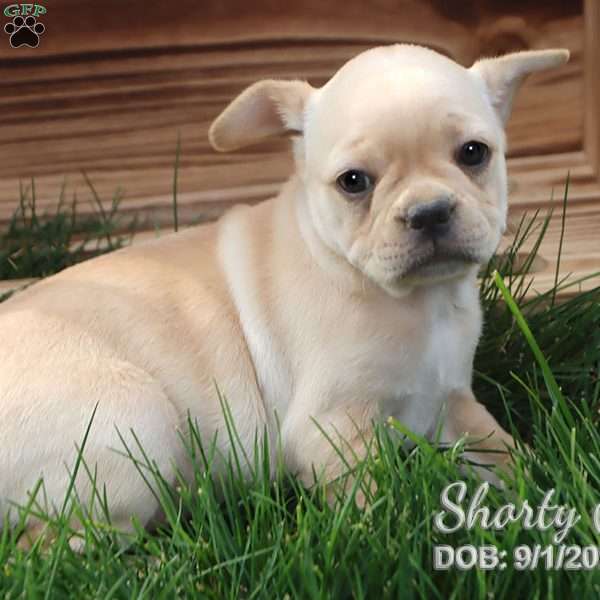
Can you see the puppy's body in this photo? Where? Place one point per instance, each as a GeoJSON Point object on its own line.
{"type": "Point", "coordinates": [163, 330]}
{"type": "Point", "coordinates": [308, 306]}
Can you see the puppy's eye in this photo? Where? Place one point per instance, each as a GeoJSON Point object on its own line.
{"type": "Point", "coordinates": [473, 154]}
{"type": "Point", "coordinates": [355, 182]}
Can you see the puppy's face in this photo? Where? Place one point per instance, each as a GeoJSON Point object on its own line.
{"type": "Point", "coordinates": [401, 154]}
{"type": "Point", "coordinates": [404, 167]}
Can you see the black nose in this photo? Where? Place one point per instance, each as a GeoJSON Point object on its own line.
{"type": "Point", "coordinates": [433, 217]}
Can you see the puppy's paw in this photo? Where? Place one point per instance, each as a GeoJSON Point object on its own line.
{"type": "Point", "coordinates": [45, 535]}
{"type": "Point", "coordinates": [339, 490]}
{"type": "Point", "coordinates": [36, 532]}
{"type": "Point", "coordinates": [497, 467]}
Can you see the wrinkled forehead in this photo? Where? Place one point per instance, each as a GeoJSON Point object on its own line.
{"type": "Point", "coordinates": [390, 93]}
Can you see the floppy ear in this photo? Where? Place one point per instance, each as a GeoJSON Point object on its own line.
{"type": "Point", "coordinates": [265, 109]}
{"type": "Point", "coordinates": [504, 75]}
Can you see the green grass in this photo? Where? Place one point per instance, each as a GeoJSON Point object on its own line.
{"type": "Point", "coordinates": [536, 368]}
{"type": "Point", "coordinates": [36, 245]}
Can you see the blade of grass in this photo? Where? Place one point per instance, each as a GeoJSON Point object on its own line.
{"type": "Point", "coordinates": [549, 378]}
{"type": "Point", "coordinates": [175, 181]}
{"type": "Point", "coordinates": [563, 219]}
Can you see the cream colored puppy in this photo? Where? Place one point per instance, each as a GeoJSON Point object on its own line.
{"type": "Point", "coordinates": [349, 298]}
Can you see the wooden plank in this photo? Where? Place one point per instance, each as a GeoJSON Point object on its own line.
{"type": "Point", "coordinates": [111, 85]}
{"type": "Point", "coordinates": [580, 254]}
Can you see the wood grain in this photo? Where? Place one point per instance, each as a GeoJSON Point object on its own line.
{"type": "Point", "coordinates": [112, 84]}
{"type": "Point", "coordinates": [108, 94]}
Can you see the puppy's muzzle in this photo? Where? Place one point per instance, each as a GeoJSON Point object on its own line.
{"type": "Point", "coordinates": [433, 218]}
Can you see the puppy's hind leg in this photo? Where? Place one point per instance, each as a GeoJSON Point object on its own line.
{"type": "Point", "coordinates": [134, 423]}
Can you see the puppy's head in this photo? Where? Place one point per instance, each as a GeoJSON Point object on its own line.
{"type": "Point", "coordinates": [402, 156]}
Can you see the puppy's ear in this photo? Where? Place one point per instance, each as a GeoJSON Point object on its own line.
{"type": "Point", "coordinates": [504, 75]}
{"type": "Point", "coordinates": [265, 109]}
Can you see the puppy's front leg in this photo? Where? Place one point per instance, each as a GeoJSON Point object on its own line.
{"type": "Point", "coordinates": [467, 417]}
{"type": "Point", "coordinates": [326, 449]}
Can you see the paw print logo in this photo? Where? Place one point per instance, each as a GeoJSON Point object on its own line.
{"type": "Point", "coordinates": [24, 32]}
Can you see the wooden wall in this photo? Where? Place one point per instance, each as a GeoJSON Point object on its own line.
{"type": "Point", "coordinates": [112, 83]}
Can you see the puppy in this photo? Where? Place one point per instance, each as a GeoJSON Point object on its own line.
{"type": "Point", "coordinates": [349, 298]}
